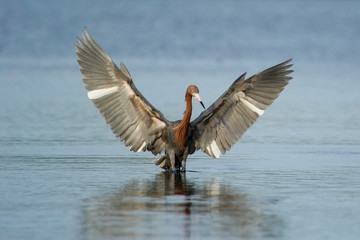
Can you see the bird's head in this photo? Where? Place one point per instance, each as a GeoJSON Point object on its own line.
{"type": "Point", "coordinates": [194, 91]}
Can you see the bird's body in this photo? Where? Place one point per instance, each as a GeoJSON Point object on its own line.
{"type": "Point", "coordinates": [143, 128]}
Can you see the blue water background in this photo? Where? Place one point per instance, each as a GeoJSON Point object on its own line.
{"type": "Point", "coordinates": [294, 175]}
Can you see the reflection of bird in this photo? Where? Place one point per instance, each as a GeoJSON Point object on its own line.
{"type": "Point", "coordinates": [172, 204]}
{"type": "Point", "coordinates": [142, 127]}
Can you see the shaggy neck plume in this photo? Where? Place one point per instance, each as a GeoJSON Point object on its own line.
{"type": "Point", "coordinates": [181, 128]}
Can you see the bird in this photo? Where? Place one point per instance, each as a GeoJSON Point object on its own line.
{"type": "Point", "coordinates": [142, 127]}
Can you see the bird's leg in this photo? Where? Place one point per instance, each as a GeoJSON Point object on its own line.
{"type": "Point", "coordinates": [172, 160]}
{"type": "Point", "coordinates": [185, 155]}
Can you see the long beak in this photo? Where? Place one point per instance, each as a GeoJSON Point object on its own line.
{"type": "Point", "coordinates": [197, 96]}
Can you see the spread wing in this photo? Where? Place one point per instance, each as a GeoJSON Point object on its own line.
{"type": "Point", "coordinates": [220, 126]}
{"type": "Point", "coordinates": [130, 115]}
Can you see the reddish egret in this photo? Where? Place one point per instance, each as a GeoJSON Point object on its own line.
{"type": "Point", "coordinates": [142, 127]}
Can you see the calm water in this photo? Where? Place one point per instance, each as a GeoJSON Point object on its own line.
{"type": "Point", "coordinates": [294, 175]}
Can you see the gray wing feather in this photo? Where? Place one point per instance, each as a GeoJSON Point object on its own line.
{"type": "Point", "coordinates": [220, 126]}
{"type": "Point", "coordinates": [131, 117]}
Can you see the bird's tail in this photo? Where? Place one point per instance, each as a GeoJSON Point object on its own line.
{"type": "Point", "coordinates": [163, 162]}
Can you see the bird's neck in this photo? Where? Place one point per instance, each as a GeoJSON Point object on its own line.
{"type": "Point", "coordinates": [188, 110]}
{"type": "Point", "coordinates": [181, 128]}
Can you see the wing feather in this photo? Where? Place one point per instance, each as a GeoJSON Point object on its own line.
{"type": "Point", "coordinates": [130, 116]}
{"type": "Point", "coordinates": [220, 126]}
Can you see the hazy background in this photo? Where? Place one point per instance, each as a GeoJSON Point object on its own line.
{"type": "Point", "coordinates": [296, 170]}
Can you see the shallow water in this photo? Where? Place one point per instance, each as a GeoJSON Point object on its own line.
{"type": "Point", "coordinates": [294, 175]}
{"type": "Point", "coordinates": [291, 194]}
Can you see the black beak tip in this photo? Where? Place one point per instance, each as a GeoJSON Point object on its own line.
{"type": "Point", "coordinates": [202, 105]}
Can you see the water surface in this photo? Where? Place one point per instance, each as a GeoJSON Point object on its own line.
{"type": "Point", "coordinates": [294, 174]}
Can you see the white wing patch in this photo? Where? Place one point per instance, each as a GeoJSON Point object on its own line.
{"type": "Point", "coordinates": [213, 149]}
{"type": "Point", "coordinates": [95, 94]}
{"type": "Point", "coordinates": [252, 107]}
{"type": "Point", "coordinates": [142, 146]}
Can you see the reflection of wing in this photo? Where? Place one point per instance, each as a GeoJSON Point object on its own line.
{"type": "Point", "coordinates": [228, 213]}
{"type": "Point", "coordinates": [220, 126]}
{"type": "Point", "coordinates": [130, 115]}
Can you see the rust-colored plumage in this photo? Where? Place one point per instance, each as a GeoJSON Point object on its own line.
{"type": "Point", "coordinates": [143, 128]}
{"type": "Point", "coordinates": [180, 129]}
